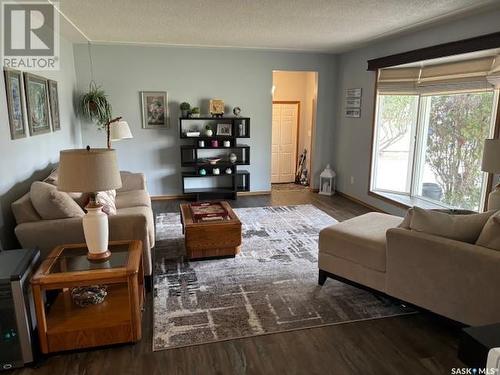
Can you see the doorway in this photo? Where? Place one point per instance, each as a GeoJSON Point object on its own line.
{"type": "Point", "coordinates": [293, 123]}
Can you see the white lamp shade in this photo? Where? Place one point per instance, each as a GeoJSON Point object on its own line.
{"type": "Point", "coordinates": [88, 170]}
{"type": "Point", "coordinates": [491, 156]}
{"type": "Point", "coordinates": [119, 130]}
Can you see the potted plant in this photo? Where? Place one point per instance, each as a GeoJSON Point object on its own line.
{"type": "Point", "coordinates": [95, 106]}
{"type": "Point", "coordinates": [185, 107]}
{"type": "Point", "coordinates": [195, 112]}
{"type": "Point", "coordinates": [208, 131]}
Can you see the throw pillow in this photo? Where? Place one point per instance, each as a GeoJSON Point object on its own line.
{"type": "Point", "coordinates": [490, 235]}
{"type": "Point", "coordinates": [51, 203]}
{"type": "Point", "coordinates": [80, 198]}
{"type": "Point", "coordinates": [108, 200]}
{"type": "Point", "coordinates": [465, 228]}
{"type": "Point", "coordinates": [406, 223]}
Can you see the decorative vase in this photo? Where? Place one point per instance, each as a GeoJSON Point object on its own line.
{"type": "Point", "coordinates": [229, 171]}
{"type": "Point", "coordinates": [241, 129]}
{"type": "Point", "coordinates": [227, 143]}
{"type": "Point", "coordinates": [209, 132]}
{"type": "Point", "coordinates": [201, 143]}
{"type": "Point", "coordinates": [216, 171]}
{"type": "Point", "coordinates": [202, 172]}
{"type": "Point", "coordinates": [232, 157]}
{"type": "Point", "coordinates": [215, 143]}
{"type": "Point", "coordinates": [96, 231]}
{"type": "Point", "coordinates": [184, 112]}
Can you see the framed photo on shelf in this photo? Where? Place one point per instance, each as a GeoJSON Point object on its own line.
{"type": "Point", "coordinates": [154, 109]}
{"type": "Point", "coordinates": [54, 106]}
{"type": "Point", "coordinates": [224, 129]}
{"type": "Point", "coordinates": [15, 103]}
{"type": "Point", "coordinates": [37, 103]}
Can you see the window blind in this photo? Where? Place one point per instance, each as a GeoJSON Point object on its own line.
{"type": "Point", "coordinates": [494, 74]}
{"type": "Point", "coordinates": [467, 75]}
{"type": "Point", "coordinates": [398, 80]}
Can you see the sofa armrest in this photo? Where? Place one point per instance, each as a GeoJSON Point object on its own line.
{"type": "Point", "coordinates": [132, 227]}
{"type": "Point", "coordinates": [47, 234]}
{"type": "Point", "coordinates": [132, 181]}
{"type": "Point", "coordinates": [452, 278]}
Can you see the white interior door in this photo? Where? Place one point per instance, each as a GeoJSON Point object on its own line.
{"type": "Point", "coordinates": [284, 142]}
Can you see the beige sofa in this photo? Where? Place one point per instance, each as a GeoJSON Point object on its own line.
{"type": "Point", "coordinates": [455, 279]}
{"type": "Point", "coordinates": [134, 220]}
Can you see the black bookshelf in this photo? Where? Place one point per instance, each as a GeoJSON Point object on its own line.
{"type": "Point", "coordinates": [226, 185]}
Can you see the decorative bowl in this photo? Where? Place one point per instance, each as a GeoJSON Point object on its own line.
{"type": "Point", "coordinates": [89, 295]}
{"type": "Point", "coordinates": [213, 161]}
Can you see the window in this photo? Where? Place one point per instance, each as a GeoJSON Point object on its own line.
{"type": "Point", "coordinates": [429, 145]}
{"type": "Point", "coordinates": [396, 120]}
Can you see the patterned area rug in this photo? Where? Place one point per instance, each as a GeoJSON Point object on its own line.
{"type": "Point", "coordinates": [271, 286]}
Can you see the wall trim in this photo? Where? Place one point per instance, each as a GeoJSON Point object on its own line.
{"type": "Point", "coordinates": [250, 193]}
{"type": "Point", "coordinates": [358, 201]}
{"type": "Point", "coordinates": [187, 196]}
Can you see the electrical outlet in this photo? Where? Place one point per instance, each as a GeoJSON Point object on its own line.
{"type": "Point", "coordinates": [352, 180]}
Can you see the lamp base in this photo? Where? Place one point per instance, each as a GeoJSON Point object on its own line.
{"type": "Point", "coordinates": [99, 256]}
{"type": "Point", "coordinates": [95, 228]}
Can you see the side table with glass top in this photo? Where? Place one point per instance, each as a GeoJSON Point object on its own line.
{"type": "Point", "coordinates": [63, 325]}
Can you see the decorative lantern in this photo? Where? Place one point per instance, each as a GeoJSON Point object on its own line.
{"type": "Point", "coordinates": [327, 181]}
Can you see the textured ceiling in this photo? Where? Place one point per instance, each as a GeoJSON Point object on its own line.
{"type": "Point", "coordinates": [305, 25]}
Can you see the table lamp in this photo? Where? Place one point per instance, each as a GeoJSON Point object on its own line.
{"type": "Point", "coordinates": [91, 171]}
{"type": "Point", "coordinates": [119, 130]}
{"type": "Point", "coordinates": [491, 164]}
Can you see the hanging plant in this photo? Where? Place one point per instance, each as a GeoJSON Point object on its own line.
{"type": "Point", "coordinates": [95, 106]}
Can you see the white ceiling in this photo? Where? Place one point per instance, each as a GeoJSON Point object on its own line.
{"type": "Point", "coordinates": [303, 25]}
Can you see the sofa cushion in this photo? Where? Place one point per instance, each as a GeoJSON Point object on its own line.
{"type": "Point", "coordinates": [490, 235]}
{"type": "Point", "coordinates": [360, 240]}
{"type": "Point", "coordinates": [24, 211]}
{"type": "Point", "coordinates": [132, 198]}
{"type": "Point", "coordinates": [465, 228]}
{"type": "Point", "coordinates": [51, 203]}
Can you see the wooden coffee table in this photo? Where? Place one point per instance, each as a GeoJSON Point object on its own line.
{"type": "Point", "coordinates": [62, 325]}
{"type": "Point", "coordinates": [211, 239]}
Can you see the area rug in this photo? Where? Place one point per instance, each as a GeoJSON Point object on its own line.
{"type": "Point", "coordinates": [271, 286]}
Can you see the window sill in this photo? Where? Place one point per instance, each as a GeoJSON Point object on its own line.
{"type": "Point", "coordinates": [405, 201]}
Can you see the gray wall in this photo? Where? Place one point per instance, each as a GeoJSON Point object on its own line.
{"type": "Point", "coordinates": [352, 138]}
{"type": "Point", "coordinates": [240, 77]}
{"type": "Point", "coordinates": [31, 158]}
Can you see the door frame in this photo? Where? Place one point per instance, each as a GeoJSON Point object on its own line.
{"type": "Point", "coordinates": [298, 131]}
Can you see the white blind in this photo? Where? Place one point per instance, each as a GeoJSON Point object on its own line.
{"type": "Point", "coordinates": [467, 75]}
{"type": "Point", "coordinates": [494, 74]}
{"type": "Point", "coordinates": [398, 80]}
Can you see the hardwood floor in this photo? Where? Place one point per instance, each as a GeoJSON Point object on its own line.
{"type": "Point", "coordinates": [411, 344]}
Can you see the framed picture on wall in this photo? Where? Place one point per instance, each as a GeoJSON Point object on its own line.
{"type": "Point", "coordinates": [54, 106]}
{"type": "Point", "coordinates": [154, 109]}
{"type": "Point", "coordinates": [15, 103]}
{"type": "Point", "coordinates": [353, 102]}
{"type": "Point", "coordinates": [353, 93]}
{"type": "Point", "coordinates": [352, 112]}
{"type": "Point", "coordinates": [37, 104]}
